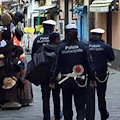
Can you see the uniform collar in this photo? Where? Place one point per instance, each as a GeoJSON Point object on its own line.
{"type": "Point", "coordinates": [47, 31]}
{"type": "Point", "coordinates": [96, 39]}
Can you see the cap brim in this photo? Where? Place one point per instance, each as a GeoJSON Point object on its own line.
{"type": "Point", "coordinates": [49, 22]}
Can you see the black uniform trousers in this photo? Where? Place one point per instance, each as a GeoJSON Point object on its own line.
{"type": "Point", "coordinates": [70, 89]}
{"type": "Point", "coordinates": [46, 101]}
{"type": "Point", "coordinates": [90, 99]}
{"type": "Point", "coordinates": [90, 103]}
{"type": "Point", "coordinates": [101, 93]}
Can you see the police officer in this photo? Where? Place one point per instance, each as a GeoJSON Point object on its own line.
{"type": "Point", "coordinates": [45, 87]}
{"type": "Point", "coordinates": [48, 26]}
{"type": "Point", "coordinates": [68, 28]}
{"type": "Point", "coordinates": [71, 53]}
{"type": "Point", "coordinates": [101, 53]}
{"type": "Point", "coordinates": [53, 39]}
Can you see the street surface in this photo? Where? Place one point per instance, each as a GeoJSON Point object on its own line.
{"type": "Point", "coordinates": [34, 110]}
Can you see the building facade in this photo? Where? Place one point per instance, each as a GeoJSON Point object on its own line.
{"type": "Point", "coordinates": [107, 16]}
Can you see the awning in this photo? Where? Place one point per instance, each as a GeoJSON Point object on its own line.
{"type": "Point", "coordinates": [44, 8]}
{"type": "Point", "coordinates": [100, 5]}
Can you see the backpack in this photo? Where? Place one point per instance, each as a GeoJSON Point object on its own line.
{"type": "Point", "coordinates": [39, 56]}
{"type": "Point", "coordinates": [38, 68]}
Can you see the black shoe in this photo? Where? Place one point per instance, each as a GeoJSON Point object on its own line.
{"type": "Point", "coordinates": [107, 116]}
{"type": "Point", "coordinates": [61, 115]}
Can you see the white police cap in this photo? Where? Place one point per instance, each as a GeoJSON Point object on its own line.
{"type": "Point", "coordinates": [50, 22]}
{"type": "Point", "coordinates": [70, 26]}
{"type": "Point", "coordinates": [97, 30]}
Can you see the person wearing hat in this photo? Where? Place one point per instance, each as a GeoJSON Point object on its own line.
{"type": "Point", "coordinates": [72, 53]}
{"type": "Point", "coordinates": [49, 50]}
{"type": "Point", "coordinates": [101, 53]}
{"type": "Point", "coordinates": [48, 26]}
{"type": "Point", "coordinates": [46, 86]}
{"type": "Point", "coordinates": [68, 28]}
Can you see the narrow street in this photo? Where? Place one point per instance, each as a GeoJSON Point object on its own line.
{"type": "Point", "coordinates": [34, 110]}
{"type": "Point", "coordinates": [31, 23]}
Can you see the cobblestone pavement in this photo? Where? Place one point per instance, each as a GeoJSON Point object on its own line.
{"type": "Point", "coordinates": [34, 111]}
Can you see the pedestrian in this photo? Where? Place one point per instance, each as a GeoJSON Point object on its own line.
{"type": "Point", "coordinates": [101, 53]}
{"type": "Point", "coordinates": [48, 26]}
{"type": "Point", "coordinates": [72, 55]}
{"type": "Point", "coordinates": [45, 87]}
{"type": "Point", "coordinates": [53, 39]}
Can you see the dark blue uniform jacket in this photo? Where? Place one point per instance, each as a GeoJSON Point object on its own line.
{"type": "Point", "coordinates": [101, 53]}
{"type": "Point", "coordinates": [39, 41]}
{"type": "Point", "coordinates": [70, 55]}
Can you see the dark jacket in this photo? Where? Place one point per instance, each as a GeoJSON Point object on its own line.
{"type": "Point", "coordinates": [39, 66]}
{"type": "Point", "coordinates": [40, 40]}
{"type": "Point", "coordinates": [101, 53]}
{"type": "Point", "coordinates": [70, 55]}
{"type": "Point", "coordinates": [50, 52]}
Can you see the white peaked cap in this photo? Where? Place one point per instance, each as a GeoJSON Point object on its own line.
{"type": "Point", "coordinates": [97, 30]}
{"type": "Point", "coordinates": [50, 22]}
{"type": "Point", "coordinates": [70, 26]}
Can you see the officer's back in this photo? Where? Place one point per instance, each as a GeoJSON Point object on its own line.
{"type": "Point", "coordinates": [101, 51]}
{"type": "Point", "coordinates": [73, 53]}
{"type": "Point", "coordinates": [48, 26]}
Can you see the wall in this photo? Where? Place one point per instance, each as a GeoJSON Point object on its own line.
{"type": "Point", "coordinates": [62, 8]}
{"type": "Point", "coordinates": [116, 63]}
{"type": "Point", "coordinates": [70, 12]}
{"type": "Point", "coordinates": [116, 30]}
{"type": "Point", "coordinates": [100, 21]}
{"type": "Point", "coordinates": [0, 9]}
{"type": "Point", "coordinates": [48, 2]}
{"type": "Point", "coordinates": [0, 5]}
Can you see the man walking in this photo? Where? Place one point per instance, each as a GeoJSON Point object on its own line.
{"type": "Point", "coordinates": [101, 53]}
{"type": "Point", "coordinates": [72, 56]}
{"type": "Point", "coordinates": [49, 50]}
{"type": "Point", "coordinates": [48, 26]}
